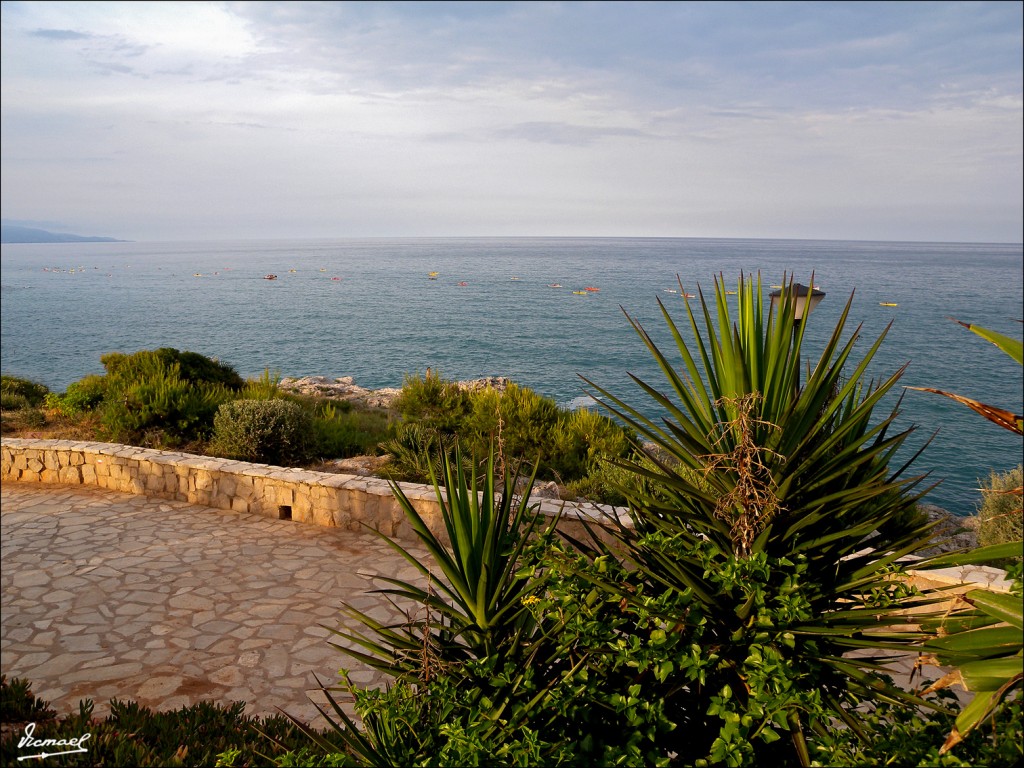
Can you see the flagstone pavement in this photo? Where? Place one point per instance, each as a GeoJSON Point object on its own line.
{"type": "Point", "coordinates": [108, 595]}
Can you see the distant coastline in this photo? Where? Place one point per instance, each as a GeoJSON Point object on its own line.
{"type": "Point", "coordinates": [10, 233]}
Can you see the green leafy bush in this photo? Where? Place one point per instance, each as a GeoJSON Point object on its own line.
{"type": "Point", "coordinates": [266, 387]}
{"type": "Point", "coordinates": [518, 419]}
{"type": "Point", "coordinates": [341, 431]}
{"type": "Point", "coordinates": [525, 425]}
{"type": "Point", "coordinates": [134, 736]}
{"type": "Point", "coordinates": [81, 397]}
{"type": "Point", "coordinates": [21, 390]}
{"type": "Point", "coordinates": [413, 450]}
{"type": "Point", "coordinates": [13, 402]}
{"type": "Point", "coordinates": [583, 441]}
{"type": "Point", "coordinates": [162, 410]}
{"type": "Point", "coordinates": [433, 402]}
{"type": "Point", "coordinates": [190, 366]}
{"type": "Point", "coordinates": [268, 431]}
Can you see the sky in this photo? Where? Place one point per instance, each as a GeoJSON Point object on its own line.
{"type": "Point", "coordinates": [820, 120]}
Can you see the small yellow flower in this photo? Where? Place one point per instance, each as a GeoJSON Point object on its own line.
{"type": "Point", "coordinates": [530, 600]}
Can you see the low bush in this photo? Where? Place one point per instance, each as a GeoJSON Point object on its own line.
{"type": "Point", "coordinates": [190, 366]}
{"type": "Point", "coordinates": [267, 431]}
{"type": "Point", "coordinates": [433, 402]}
{"type": "Point", "coordinates": [582, 441]}
{"type": "Point", "coordinates": [340, 431]}
{"type": "Point", "coordinates": [163, 410]}
{"type": "Point", "coordinates": [266, 387]}
{"type": "Point", "coordinates": [24, 392]}
{"type": "Point", "coordinates": [80, 397]}
{"type": "Point", "coordinates": [523, 424]}
{"type": "Point", "coordinates": [132, 735]}
{"type": "Point", "coordinates": [414, 451]}
{"type": "Point", "coordinates": [1001, 516]}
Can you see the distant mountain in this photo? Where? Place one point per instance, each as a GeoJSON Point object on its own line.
{"type": "Point", "coordinates": [12, 234]}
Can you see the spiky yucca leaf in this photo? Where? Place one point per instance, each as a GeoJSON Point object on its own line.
{"type": "Point", "coordinates": [471, 602]}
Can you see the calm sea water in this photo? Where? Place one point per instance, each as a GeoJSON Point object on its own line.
{"type": "Point", "coordinates": [365, 308]}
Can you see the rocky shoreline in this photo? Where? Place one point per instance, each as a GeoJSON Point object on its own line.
{"type": "Point", "coordinates": [345, 388]}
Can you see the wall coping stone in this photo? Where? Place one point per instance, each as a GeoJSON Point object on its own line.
{"type": "Point", "coordinates": [130, 456]}
{"type": "Point", "coordinates": [348, 510]}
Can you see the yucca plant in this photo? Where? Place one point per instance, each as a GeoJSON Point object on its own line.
{"type": "Point", "coordinates": [463, 654]}
{"type": "Point", "coordinates": [779, 519]}
{"type": "Point", "coordinates": [472, 591]}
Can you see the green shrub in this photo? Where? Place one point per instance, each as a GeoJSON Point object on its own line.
{"type": "Point", "coordinates": [339, 431]}
{"type": "Point", "coordinates": [80, 397]}
{"type": "Point", "coordinates": [433, 402]}
{"type": "Point", "coordinates": [134, 736]}
{"type": "Point", "coordinates": [190, 366]}
{"type": "Point", "coordinates": [525, 426]}
{"type": "Point", "coordinates": [1001, 516]}
{"type": "Point", "coordinates": [268, 431]}
{"type": "Point", "coordinates": [14, 386]}
{"type": "Point", "coordinates": [13, 402]}
{"type": "Point", "coordinates": [580, 440]}
{"type": "Point", "coordinates": [266, 387]}
{"type": "Point", "coordinates": [162, 410]}
{"type": "Point", "coordinates": [518, 419]}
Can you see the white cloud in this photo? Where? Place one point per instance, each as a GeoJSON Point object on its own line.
{"type": "Point", "coordinates": [287, 119]}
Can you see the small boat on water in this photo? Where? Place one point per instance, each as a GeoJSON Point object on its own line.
{"type": "Point", "coordinates": [888, 304]}
{"type": "Point", "coordinates": [270, 277]}
{"type": "Point", "coordinates": [513, 278]}
{"type": "Point", "coordinates": [293, 270]}
{"type": "Point", "coordinates": [554, 285]}
{"type": "Point", "coordinates": [335, 278]}
{"type": "Point", "coordinates": [689, 296]}
{"type": "Point", "coordinates": [580, 293]}
{"type": "Point", "coordinates": [432, 275]}
{"type": "Point", "coordinates": [463, 283]}
{"type": "Point", "coordinates": [591, 289]}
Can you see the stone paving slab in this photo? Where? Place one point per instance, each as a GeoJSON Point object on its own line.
{"type": "Point", "coordinates": [109, 595]}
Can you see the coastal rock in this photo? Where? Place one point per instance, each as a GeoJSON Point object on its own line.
{"type": "Point", "coordinates": [345, 388]}
{"type": "Point", "coordinates": [952, 532]}
{"type": "Point", "coordinates": [341, 388]}
{"type": "Point", "coordinates": [499, 383]}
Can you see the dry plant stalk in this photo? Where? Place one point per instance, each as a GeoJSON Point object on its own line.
{"type": "Point", "coordinates": [429, 658]}
{"type": "Point", "coordinates": [752, 502]}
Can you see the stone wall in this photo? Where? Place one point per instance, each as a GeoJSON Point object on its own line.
{"type": "Point", "coordinates": [321, 498]}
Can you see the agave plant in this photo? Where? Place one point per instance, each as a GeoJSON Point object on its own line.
{"type": "Point", "coordinates": [796, 484]}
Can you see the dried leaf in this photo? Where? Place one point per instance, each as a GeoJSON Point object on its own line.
{"type": "Point", "coordinates": [1006, 419]}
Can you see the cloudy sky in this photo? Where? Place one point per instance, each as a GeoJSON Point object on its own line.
{"type": "Point", "coordinates": [189, 121]}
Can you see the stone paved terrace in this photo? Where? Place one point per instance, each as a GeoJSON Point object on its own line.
{"type": "Point", "coordinates": [109, 595]}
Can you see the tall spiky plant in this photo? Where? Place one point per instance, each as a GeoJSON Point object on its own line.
{"type": "Point", "coordinates": [797, 482]}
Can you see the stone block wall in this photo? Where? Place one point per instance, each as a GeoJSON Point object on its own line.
{"type": "Point", "coordinates": [320, 498]}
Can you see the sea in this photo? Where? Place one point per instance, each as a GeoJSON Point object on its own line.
{"type": "Point", "coordinates": [368, 308]}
